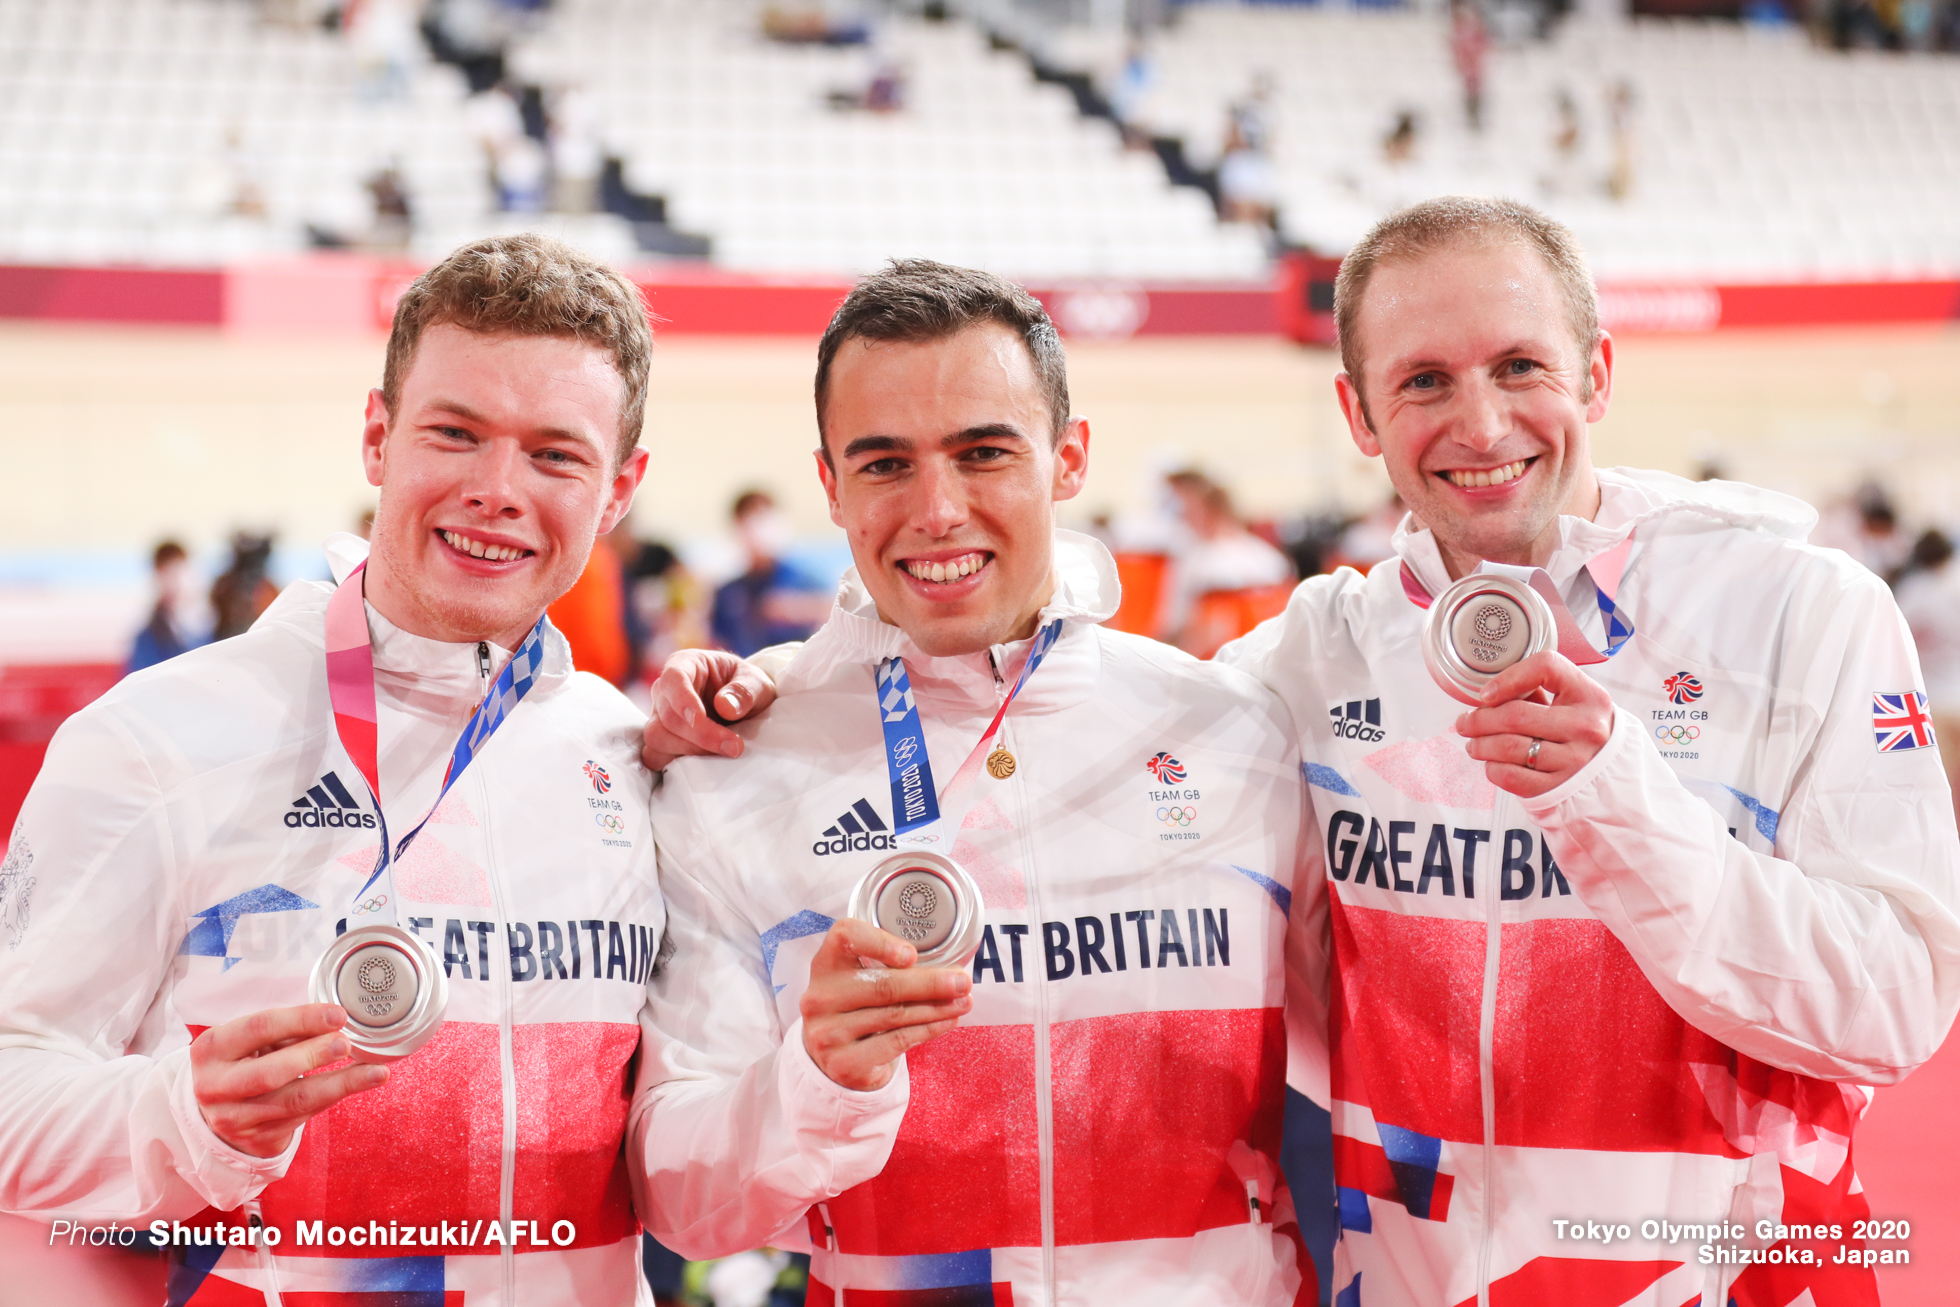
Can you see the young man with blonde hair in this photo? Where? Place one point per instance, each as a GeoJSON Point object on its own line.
{"type": "Point", "coordinates": [201, 834]}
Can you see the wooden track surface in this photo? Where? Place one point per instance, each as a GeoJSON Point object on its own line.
{"type": "Point", "coordinates": [113, 437]}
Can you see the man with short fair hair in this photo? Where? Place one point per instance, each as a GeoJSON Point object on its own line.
{"type": "Point", "coordinates": [1089, 1109]}
{"type": "Point", "coordinates": [1629, 959]}
{"type": "Point", "coordinates": [199, 836]}
{"type": "Point", "coordinates": [1631, 956]}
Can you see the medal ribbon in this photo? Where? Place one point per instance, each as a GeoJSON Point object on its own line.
{"type": "Point", "coordinates": [350, 688]}
{"type": "Point", "coordinates": [916, 806]}
{"type": "Point", "coordinates": [1604, 572]}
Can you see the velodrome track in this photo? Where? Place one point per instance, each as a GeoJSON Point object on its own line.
{"type": "Point", "coordinates": [113, 437]}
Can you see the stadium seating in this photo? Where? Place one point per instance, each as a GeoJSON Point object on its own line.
{"type": "Point", "coordinates": [1756, 155]}
{"type": "Point", "coordinates": [983, 166]}
{"type": "Point", "coordinates": [129, 130]}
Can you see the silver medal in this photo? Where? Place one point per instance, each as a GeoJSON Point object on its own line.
{"type": "Point", "coordinates": [926, 900]}
{"type": "Point", "coordinates": [392, 986]}
{"type": "Point", "coordinates": [1480, 626]}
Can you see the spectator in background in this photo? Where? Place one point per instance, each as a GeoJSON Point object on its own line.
{"type": "Point", "coordinates": [884, 91]}
{"type": "Point", "coordinates": [394, 221]}
{"type": "Point", "coordinates": [519, 167]}
{"type": "Point", "coordinates": [1222, 556]}
{"type": "Point", "coordinates": [1929, 596]}
{"type": "Point", "coordinates": [1469, 49]}
{"type": "Point", "coordinates": [172, 625]}
{"type": "Point", "coordinates": [386, 44]}
{"type": "Point", "coordinates": [242, 591]}
{"type": "Point", "coordinates": [1867, 527]}
{"type": "Point", "coordinates": [592, 614]}
{"type": "Point", "coordinates": [1129, 95]}
{"type": "Point", "coordinates": [768, 604]}
{"type": "Point", "coordinates": [666, 608]}
{"type": "Point", "coordinates": [1370, 539]}
{"type": "Point", "coordinates": [577, 155]}
{"type": "Point", "coordinates": [1568, 143]}
{"type": "Point", "coordinates": [1247, 188]}
{"type": "Point", "coordinates": [1621, 123]}
{"type": "Point", "coordinates": [811, 25]}
{"type": "Point", "coordinates": [1399, 146]}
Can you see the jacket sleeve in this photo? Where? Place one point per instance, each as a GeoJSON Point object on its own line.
{"type": "Point", "coordinates": [1278, 653]}
{"type": "Point", "coordinates": [1308, 961]}
{"type": "Point", "coordinates": [1839, 955]}
{"type": "Point", "coordinates": [90, 919]}
{"type": "Point", "coordinates": [734, 1131]}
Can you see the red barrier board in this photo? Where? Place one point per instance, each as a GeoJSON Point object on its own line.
{"type": "Point", "coordinates": [113, 294]}
{"type": "Point", "coordinates": [345, 293]}
{"type": "Point", "coordinates": [1823, 303]}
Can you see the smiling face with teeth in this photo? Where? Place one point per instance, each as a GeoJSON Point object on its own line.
{"type": "Point", "coordinates": [497, 470]}
{"type": "Point", "coordinates": [946, 474]}
{"type": "Point", "coordinates": [1477, 398]}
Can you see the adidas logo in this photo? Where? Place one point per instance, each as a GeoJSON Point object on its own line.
{"type": "Point", "coordinates": [1358, 719]}
{"type": "Point", "coordinates": [327, 804]}
{"type": "Point", "coordinates": [860, 829]}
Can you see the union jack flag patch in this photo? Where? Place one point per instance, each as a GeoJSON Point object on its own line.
{"type": "Point", "coordinates": [1899, 721]}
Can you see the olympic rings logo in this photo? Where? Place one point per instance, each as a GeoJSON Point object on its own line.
{"type": "Point", "coordinates": [609, 823]}
{"type": "Point", "coordinates": [1177, 816]}
{"type": "Point", "coordinates": [1677, 734]}
{"type": "Point", "coordinates": [374, 904]}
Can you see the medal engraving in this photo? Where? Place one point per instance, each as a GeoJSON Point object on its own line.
{"type": "Point", "coordinates": [928, 901]}
{"type": "Point", "coordinates": [1490, 632]}
{"type": "Point", "coordinates": [1480, 626]}
{"type": "Point", "coordinates": [371, 985]}
{"type": "Point", "coordinates": [916, 907]}
{"type": "Point", "coordinates": [391, 986]}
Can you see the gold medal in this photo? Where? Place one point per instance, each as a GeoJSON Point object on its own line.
{"type": "Point", "coordinates": [1000, 764]}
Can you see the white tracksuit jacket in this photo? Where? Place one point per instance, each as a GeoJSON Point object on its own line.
{"type": "Point", "coordinates": [1103, 1127]}
{"type": "Point", "coordinates": [1651, 993]}
{"type": "Point", "coordinates": [182, 860]}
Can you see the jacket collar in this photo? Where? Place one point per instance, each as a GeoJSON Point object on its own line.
{"type": "Point", "coordinates": [1628, 499]}
{"type": "Point", "coordinates": [429, 677]}
{"type": "Point", "coordinates": [1086, 593]}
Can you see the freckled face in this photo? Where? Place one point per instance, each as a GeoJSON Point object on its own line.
{"type": "Point", "coordinates": [497, 470]}
{"type": "Point", "coordinates": [1478, 399]}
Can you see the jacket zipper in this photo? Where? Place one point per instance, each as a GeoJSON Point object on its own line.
{"type": "Point", "coordinates": [483, 659]}
{"type": "Point", "coordinates": [507, 1176]}
{"type": "Point", "coordinates": [1044, 1109]}
{"type": "Point", "coordinates": [1486, 1042]}
{"type": "Point", "coordinates": [1044, 1077]}
{"type": "Point", "coordinates": [268, 1265]}
{"type": "Point", "coordinates": [830, 1243]}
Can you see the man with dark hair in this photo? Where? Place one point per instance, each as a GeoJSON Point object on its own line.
{"type": "Point", "coordinates": [202, 833]}
{"type": "Point", "coordinates": [1089, 1110]}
